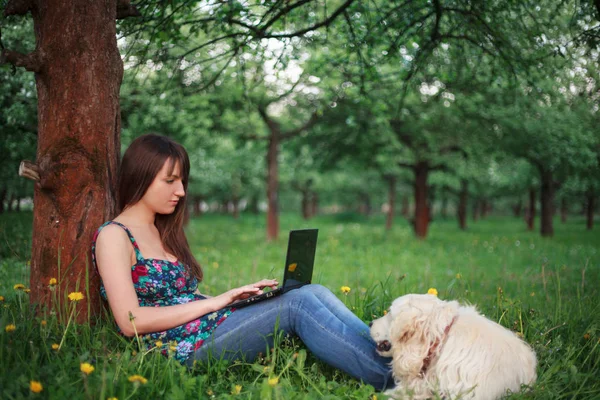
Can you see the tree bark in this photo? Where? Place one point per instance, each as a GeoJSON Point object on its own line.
{"type": "Point", "coordinates": [462, 204]}
{"type": "Point", "coordinates": [591, 205]}
{"type": "Point", "coordinates": [272, 186]}
{"type": "Point", "coordinates": [405, 211]}
{"type": "Point", "coordinates": [563, 210]}
{"type": "Point", "coordinates": [475, 210]}
{"type": "Point", "coordinates": [391, 202]}
{"type": "Point", "coordinates": [305, 204]}
{"type": "Point", "coordinates": [197, 206]}
{"type": "Point", "coordinates": [530, 215]}
{"type": "Point", "coordinates": [517, 208]}
{"type": "Point", "coordinates": [236, 207]}
{"type": "Point", "coordinates": [9, 203]}
{"type": "Point", "coordinates": [2, 197]}
{"type": "Point", "coordinates": [254, 205]}
{"type": "Point", "coordinates": [546, 199]}
{"type": "Point", "coordinates": [421, 223]}
{"type": "Point", "coordinates": [483, 208]}
{"type": "Point", "coordinates": [444, 207]}
{"type": "Point", "coordinates": [314, 204]}
{"type": "Point", "coordinates": [78, 144]}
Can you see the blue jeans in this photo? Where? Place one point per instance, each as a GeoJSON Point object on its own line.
{"type": "Point", "coordinates": [330, 331]}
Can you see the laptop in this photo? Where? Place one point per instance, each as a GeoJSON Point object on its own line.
{"type": "Point", "coordinates": [298, 271]}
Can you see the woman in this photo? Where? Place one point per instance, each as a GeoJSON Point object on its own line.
{"type": "Point", "coordinates": [150, 278]}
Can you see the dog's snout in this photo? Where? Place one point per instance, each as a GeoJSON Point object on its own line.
{"type": "Point", "coordinates": [370, 324]}
{"type": "Point", "coordinates": [384, 345]}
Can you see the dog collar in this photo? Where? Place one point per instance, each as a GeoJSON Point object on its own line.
{"type": "Point", "coordinates": [427, 360]}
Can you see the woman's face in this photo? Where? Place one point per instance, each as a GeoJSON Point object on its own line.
{"type": "Point", "coordinates": [166, 190]}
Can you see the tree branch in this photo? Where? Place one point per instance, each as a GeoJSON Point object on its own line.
{"type": "Point", "coordinates": [31, 62]}
{"type": "Point", "coordinates": [405, 165]}
{"type": "Point", "coordinates": [18, 7]}
{"type": "Point", "coordinates": [325, 22]}
{"type": "Point", "coordinates": [309, 124]}
{"type": "Point", "coordinates": [126, 9]}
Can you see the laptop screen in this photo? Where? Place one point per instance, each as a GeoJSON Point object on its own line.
{"type": "Point", "coordinates": [300, 257]}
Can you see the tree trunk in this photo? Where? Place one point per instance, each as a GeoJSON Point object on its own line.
{"type": "Point", "coordinates": [2, 197]}
{"type": "Point", "coordinates": [462, 204]}
{"type": "Point", "coordinates": [254, 204]}
{"type": "Point", "coordinates": [530, 215]}
{"type": "Point", "coordinates": [364, 204]}
{"type": "Point", "coordinates": [591, 205]}
{"type": "Point", "coordinates": [483, 208]}
{"type": "Point", "coordinates": [197, 206]}
{"type": "Point", "coordinates": [305, 204]}
{"type": "Point", "coordinates": [272, 187]}
{"type": "Point", "coordinates": [405, 211]}
{"type": "Point", "coordinates": [17, 204]}
{"type": "Point", "coordinates": [314, 204]}
{"type": "Point", "coordinates": [444, 207]}
{"type": "Point", "coordinates": [421, 223]}
{"type": "Point", "coordinates": [236, 207]}
{"type": "Point", "coordinates": [9, 203]}
{"type": "Point", "coordinates": [391, 202]}
{"type": "Point", "coordinates": [546, 198]}
{"type": "Point", "coordinates": [78, 143]}
{"type": "Point", "coordinates": [475, 210]}
{"type": "Point", "coordinates": [517, 208]}
{"type": "Point", "coordinates": [563, 210]}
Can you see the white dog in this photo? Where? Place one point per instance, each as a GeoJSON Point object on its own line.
{"type": "Point", "coordinates": [440, 348]}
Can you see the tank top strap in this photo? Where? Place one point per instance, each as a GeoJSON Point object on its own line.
{"type": "Point", "coordinates": [136, 248]}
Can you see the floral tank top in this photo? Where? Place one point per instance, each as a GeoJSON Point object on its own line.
{"type": "Point", "coordinates": [160, 283]}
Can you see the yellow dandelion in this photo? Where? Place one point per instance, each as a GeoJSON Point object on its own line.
{"type": "Point", "coordinates": [215, 265]}
{"type": "Point", "coordinates": [292, 267]}
{"type": "Point", "coordinates": [55, 346]}
{"type": "Point", "coordinates": [134, 353]}
{"type": "Point", "coordinates": [458, 276]}
{"type": "Point", "coordinates": [586, 336]}
{"type": "Point", "coordinates": [35, 386]}
{"type": "Point", "coordinates": [374, 397]}
{"type": "Point", "coordinates": [237, 389]}
{"type": "Point", "coordinates": [432, 291]}
{"type": "Point", "coordinates": [384, 312]}
{"type": "Point", "coordinates": [52, 282]}
{"type": "Point", "coordinates": [273, 381]}
{"type": "Point", "coordinates": [532, 294]}
{"type": "Point", "coordinates": [19, 286]}
{"type": "Point", "coordinates": [112, 398]}
{"type": "Point", "coordinates": [10, 328]}
{"type": "Point", "coordinates": [173, 346]}
{"type": "Point", "coordinates": [27, 290]}
{"type": "Point", "coordinates": [75, 296]}
{"type": "Point", "coordinates": [209, 392]}
{"type": "Point", "coordinates": [1, 298]}
{"type": "Point", "coordinates": [86, 368]}
{"type": "Point", "coordinates": [158, 343]}
{"type": "Point", "coordinates": [345, 289]}
{"type": "Point", "coordinates": [138, 379]}
{"type": "Point", "coordinates": [43, 322]}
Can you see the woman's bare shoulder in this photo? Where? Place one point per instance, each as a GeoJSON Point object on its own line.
{"type": "Point", "coordinates": [112, 237]}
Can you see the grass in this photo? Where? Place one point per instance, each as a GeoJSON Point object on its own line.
{"type": "Point", "coordinates": [544, 289]}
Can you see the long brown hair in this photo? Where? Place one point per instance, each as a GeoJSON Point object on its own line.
{"type": "Point", "coordinates": [141, 162]}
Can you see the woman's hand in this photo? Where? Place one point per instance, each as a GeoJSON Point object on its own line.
{"type": "Point", "coordinates": [243, 292]}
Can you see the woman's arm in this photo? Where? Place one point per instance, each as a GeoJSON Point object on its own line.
{"type": "Point", "coordinates": [202, 294]}
{"type": "Point", "coordinates": [113, 258]}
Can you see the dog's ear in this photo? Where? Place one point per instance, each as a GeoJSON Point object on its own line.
{"type": "Point", "coordinates": [405, 325]}
{"type": "Point", "coordinates": [409, 343]}
{"type": "Point", "coordinates": [440, 319]}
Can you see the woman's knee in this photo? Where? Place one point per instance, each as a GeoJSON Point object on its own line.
{"type": "Point", "coordinates": [318, 290]}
